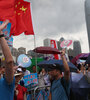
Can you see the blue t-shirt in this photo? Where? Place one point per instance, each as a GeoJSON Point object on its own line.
{"type": "Point", "coordinates": [58, 91]}
{"type": "Point", "coordinates": [6, 91]}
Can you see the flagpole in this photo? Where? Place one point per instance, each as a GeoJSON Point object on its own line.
{"type": "Point", "coordinates": [35, 52]}
{"type": "Point", "coordinates": [67, 54]}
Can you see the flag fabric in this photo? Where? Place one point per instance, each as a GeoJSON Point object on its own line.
{"type": "Point", "coordinates": [23, 18]}
{"type": "Point", "coordinates": [7, 12]}
{"type": "Point", "coordinates": [19, 14]}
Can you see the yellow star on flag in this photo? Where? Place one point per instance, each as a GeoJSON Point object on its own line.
{"type": "Point", "coordinates": [23, 9]}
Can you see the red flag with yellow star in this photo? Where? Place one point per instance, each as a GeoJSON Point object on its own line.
{"type": "Point", "coordinates": [7, 12]}
{"type": "Point", "coordinates": [23, 18]}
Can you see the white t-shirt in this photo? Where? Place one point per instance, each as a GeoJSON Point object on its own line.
{"type": "Point", "coordinates": [27, 72]}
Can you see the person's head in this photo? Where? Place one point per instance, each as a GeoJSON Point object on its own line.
{"type": "Point", "coordinates": [54, 71]}
{"type": "Point", "coordinates": [19, 70]}
{"type": "Point", "coordinates": [18, 77]}
{"type": "Point", "coordinates": [43, 71]}
{"type": "Point", "coordinates": [34, 69]}
{"type": "Point", "coordinates": [23, 69]}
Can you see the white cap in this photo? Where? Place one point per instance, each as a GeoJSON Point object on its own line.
{"type": "Point", "coordinates": [19, 69]}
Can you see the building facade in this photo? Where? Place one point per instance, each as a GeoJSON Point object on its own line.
{"type": "Point", "coordinates": [87, 15]}
{"type": "Point", "coordinates": [22, 50]}
{"type": "Point", "coordinates": [76, 48]}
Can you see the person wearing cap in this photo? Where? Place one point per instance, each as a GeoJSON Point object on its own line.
{"type": "Point", "coordinates": [60, 86]}
{"type": "Point", "coordinates": [8, 82]}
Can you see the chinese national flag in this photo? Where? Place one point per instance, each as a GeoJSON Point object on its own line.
{"type": "Point", "coordinates": [23, 18]}
{"type": "Point", "coordinates": [19, 14]}
{"type": "Point", "coordinates": [7, 12]}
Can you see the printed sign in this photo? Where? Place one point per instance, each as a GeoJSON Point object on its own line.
{"type": "Point", "coordinates": [6, 32]}
{"type": "Point", "coordinates": [23, 61]}
{"type": "Point", "coordinates": [31, 80]}
{"type": "Point", "coordinates": [10, 42]}
{"type": "Point", "coordinates": [66, 43]}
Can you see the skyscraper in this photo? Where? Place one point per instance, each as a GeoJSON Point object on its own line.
{"type": "Point", "coordinates": [76, 48]}
{"type": "Point", "coordinates": [59, 42]}
{"type": "Point", "coordinates": [61, 39]}
{"type": "Point", "coordinates": [22, 50]}
{"type": "Point", "coordinates": [87, 13]}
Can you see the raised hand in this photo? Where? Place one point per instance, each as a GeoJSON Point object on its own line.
{"type": "Point", "coordinates": [2, 26]}
{"type": "Point", "coordinates": [62, 52]}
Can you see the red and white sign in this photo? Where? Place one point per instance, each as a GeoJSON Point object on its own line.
{"type": "Point", "coordinates": [66, 43]}
{"type": "Point", "coordinates": [53, 44]}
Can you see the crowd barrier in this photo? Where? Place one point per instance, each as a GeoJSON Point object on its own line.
{"type": "Point", "coordinates": [39, 93]}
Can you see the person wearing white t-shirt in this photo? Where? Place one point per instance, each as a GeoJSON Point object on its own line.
{"type": "Point", "coordinates": [25, 71]}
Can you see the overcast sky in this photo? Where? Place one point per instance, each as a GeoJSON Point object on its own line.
{"type": "Point", "coordinates": [55, 19]}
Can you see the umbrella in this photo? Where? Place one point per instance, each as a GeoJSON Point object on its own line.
{"type": "Point", "coordinates": [79, 81]}
{"type": "Point", "coordinates": [79, 86]}
{"type": "Point", "coordinates": [83, 83]}
{"type": "Point", "coordinates": [74, 60]}
{"type": "Point", "coordinates": [46, 50]}
{"type": "Point", "coordinates": [84, 56]}
{"type": "Point", "coordinates": [88, 60]}
{"type": "Point", "coordinates": [46, 63]}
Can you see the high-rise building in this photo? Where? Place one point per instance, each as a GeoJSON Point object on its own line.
{"type": "Point", "coordinates": [70, 52]}
{"type": "Point", "coordinates": [32, 54]}
{"type": "Point", "coordinates": [87, 13]}
{"type": "Point", "coordinates": [61, 39]}
{"type": "Point", "coordinates": [46, 42]}
{"type": "Point", "coordinates": [14, 52]}
{"type": "Point", "coordinates": [59, 42]}
{"type": "Point", "coordinates": [76, 48]}
{"type": "Point", "coordinates": [22, 50]}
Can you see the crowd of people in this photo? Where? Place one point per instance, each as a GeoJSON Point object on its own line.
{"type": "Point", "coordinates": [12, 84]}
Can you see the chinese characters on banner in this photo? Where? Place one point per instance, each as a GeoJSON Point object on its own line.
{"type": "Point", "coordinates": [6, 32]}
{"type": "Point", "coordinates": [31, 80]}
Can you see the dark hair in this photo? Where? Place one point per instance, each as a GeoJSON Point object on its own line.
{"type": "Point", "coordinates": [59, 71]}
{"type": "Point", "coordinates": [79, 66]}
